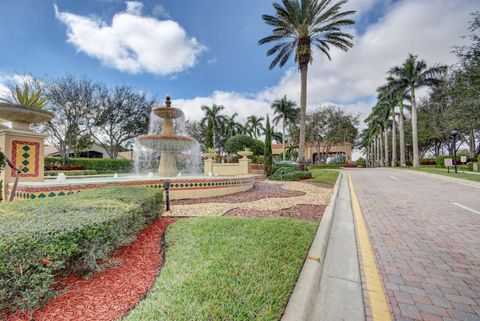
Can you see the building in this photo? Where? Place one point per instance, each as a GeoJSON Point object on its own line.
{"type": "Point", "coordinates": [337, 150]}
{"type": "Point", "coordinates": [95, 151]}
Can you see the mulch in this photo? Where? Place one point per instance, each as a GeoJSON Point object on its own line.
{"type": "Point", "coordinates": [302, 212]}
{"type": "Point", "coordinates": [111, 293]}
{"type": "Point", "coordinates": [258, 192]}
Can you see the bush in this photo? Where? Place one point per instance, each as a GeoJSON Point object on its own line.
{"type": "Point", "coordinates": [41, 239]}
{"type": "Point", "coordinates": [71, 173]}
{"type": "Point", "coordinates": [291, 176]}
{"type": "Point", "coordinates": [319, 166]}
{"type": "Point", "coordinates": [469, 166]}
{"type": "Point", "coordinates": [428, 162]}
{"type": "Point", "coordinates": [440, 160]}
{"type": "Point", "coordinates": [287, 167]}
{"type": "Point", "coordinates": [258, 159]}
{"type": "Point", "coordinates": [239, 142]}
{"type": "Point", "coordinates": [97, 164]}
{"type": "Point", "coordinates": [350, 165]}
{"type": "Point", "coordinates": [478, 159]}
{"type": "Point", "coordinates": [361, 162]}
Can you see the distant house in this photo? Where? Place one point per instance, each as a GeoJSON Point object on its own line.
{"type": "Point", "coordinates": [95, 151]}
{"type": "Point", "coordinates": [311, 154]}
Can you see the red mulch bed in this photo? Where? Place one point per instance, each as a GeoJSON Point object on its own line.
{"type": "Point", "coordinates": [111, 293]}
{"type": "Point", "coordinates": [302, 212]}
{"type": "Point", "coordinates": [258, 192]}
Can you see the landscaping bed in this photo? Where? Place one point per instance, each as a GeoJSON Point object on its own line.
{"type": "Point", "coordinates": [42, 240]}
{"type": "Point", "coordinates": [227, 268]}
{"type": "Point", "coordinates": [258, 192]}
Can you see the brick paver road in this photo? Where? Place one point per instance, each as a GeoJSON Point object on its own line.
{"type": "Point", "coordinates": [427, 242]}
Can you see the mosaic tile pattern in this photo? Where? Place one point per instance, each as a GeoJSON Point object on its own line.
{"type": "Point", "coordinates": [25, 156]}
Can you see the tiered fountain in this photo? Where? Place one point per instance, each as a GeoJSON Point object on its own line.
{"type": "Point", "coordinates": [168, 144]}
{"type": "Point", "coordinates": [177, 158]}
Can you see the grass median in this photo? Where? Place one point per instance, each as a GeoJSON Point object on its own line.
{"type": "Point", "coordinates": [324, 176]}
{"type": "Point", "coordinates": [440, 171]}
{"type": "Point", "coordinates": [227, 268]}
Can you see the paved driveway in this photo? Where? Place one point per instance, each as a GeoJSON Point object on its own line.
{"type": "Point", "coordinates": [426, 234]}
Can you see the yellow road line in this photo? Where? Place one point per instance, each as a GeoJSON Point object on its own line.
{"type": "Point", "coordinates": [373, 280]}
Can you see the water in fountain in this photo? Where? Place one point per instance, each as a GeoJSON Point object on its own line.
{"type": "Point", "coordinates": [179, 148]}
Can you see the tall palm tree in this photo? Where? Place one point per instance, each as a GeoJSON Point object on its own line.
{"type": "Point", "coordinates": [213, 115]}
{"type": "Point", "coordinates": [387, 102]}
{"type": "Point", "coordinates": [231, 126]}
{"type": "Point", "coordinates": [411, 75]}
{"type": "Point", "coordinates": [285, 110]}
{"type": "Point", "coordinates": [297, 26]}
{"type": "Point", "coordinates": [255, 125]}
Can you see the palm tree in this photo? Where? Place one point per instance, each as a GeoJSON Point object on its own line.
{"type": "Point", "coordinates": [387, 102]}
{"type": "Point", "coordinates": [255, 125]}
{"type": "Point", "coordinates": [231, 126]}
{"type": "Point", "coordinates": [213, 118]}
{"type": "Point", "coordinates": [411, 75]}
{"type": "Point", "coordinates": [297, 26]}
{"type": "Point", "coordinates": [286, 111]}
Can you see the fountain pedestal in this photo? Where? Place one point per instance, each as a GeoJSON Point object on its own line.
{"type": "Point", "coordinates": [21, 145]}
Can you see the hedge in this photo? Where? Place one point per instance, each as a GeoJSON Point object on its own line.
{"type": "Point", "coordinates": [71, 173]}
{"type": "Point", "coordinates": [97, 164]}
{"type": "Point", "coordinates": [291, 176]}
{"type": "Point", "coordinates": [42, 239]}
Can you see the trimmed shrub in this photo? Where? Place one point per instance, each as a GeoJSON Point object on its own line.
{"type": "Point", "coordinates": [71, 173]}
{"type": "Point", "coordinates": [469, 166]}
{"type": "Point", "coordinates": [239, 142]}
{"type": "Point", "coordinates": [286, 167]}
{"type": "Point", "coordinates": [428, 162]}
{"type": "Point", "coordinates": [41, 239]}
{"type": "Point", "coordinates": [350, 165]}
{"type": "Point", "coordinates": [361, 162]}
{"type": "Point", "coordinates": [291, 175]}
{"type": "Point", "coordinates": [257, 160]}
{"type": "Point", "coordinates": [97, 164]}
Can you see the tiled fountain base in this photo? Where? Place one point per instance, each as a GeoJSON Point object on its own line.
{"type": "Point", "coordinates": [181, 188]}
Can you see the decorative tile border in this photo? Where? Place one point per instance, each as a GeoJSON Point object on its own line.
{"type": "Point", "coordinates": [55, 189]}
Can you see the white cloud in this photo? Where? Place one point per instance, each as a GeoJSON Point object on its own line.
{"type": "Point", "coordinates": [160, 11]}
{"type": "Point", "coordinates": [9, 81]}
{"type": "Point", "coordinates": [132, 42]}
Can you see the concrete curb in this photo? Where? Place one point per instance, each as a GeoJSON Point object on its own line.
{"type": "Point", "coordinates": [306, 289]}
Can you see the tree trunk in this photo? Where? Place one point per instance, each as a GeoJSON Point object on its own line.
{"type": "Point", "coordinates": [394, 141]}
{"type": "Point", "coordinates": [374, 154]}
{"type": "Point", "coordinates": [283, 137]}
{"type": "Point", "coordinates": [416, 157]}
{"type": "Point", "coordinates": [380, 140]}
{"type": "Point", "coordinates": [401, 121]}
{"type": "Point", "coordinates": [386, 163]}
{"type": "Point", "coordinates": [303, 112]}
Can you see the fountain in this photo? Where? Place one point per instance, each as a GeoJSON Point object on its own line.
{"type": "Point", "coordinates": [169, 145]}
{"type": "Point", "coordinates": [169, 152]}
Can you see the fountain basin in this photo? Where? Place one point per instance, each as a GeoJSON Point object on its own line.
{"type": "Point", "coordinates": [185, 187]}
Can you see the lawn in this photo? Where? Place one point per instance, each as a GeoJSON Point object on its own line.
{"type": "Point", "coordinates": [227, 268]}
{"type": "Point", "coordinates": [325, 176]}
{"type": "Point", "coordinates": [439, 171]}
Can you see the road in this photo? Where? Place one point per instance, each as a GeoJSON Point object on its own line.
{"type": "Point", "coordinates": [425, 231]}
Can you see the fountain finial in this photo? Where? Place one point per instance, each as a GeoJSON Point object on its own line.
{"type": "Point", "coordinates": [168, 102]}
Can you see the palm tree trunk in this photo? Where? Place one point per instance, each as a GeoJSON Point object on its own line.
{"type": "Point", "coordinates": [394, 141]}
{"type": "Point", "coordinates": [283, 137]}
{"type": "Point", "coordinates": [401, 120]}
{"type": "Point", "coordinates": [386, 147]}
{"type": "Point", "coordinates": [374, 154]}
{"type": "Point", "coordinates": [380, 140]}
{"type": "Point", "coordinates": [303, 112]}
{"type": "Point", "coordinates": [416, 158]}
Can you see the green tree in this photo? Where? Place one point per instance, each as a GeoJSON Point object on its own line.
{"type": "Point", "coordinates": [231, 126]}
{"type": "Point", "coordinates": [285, 111]}
{"type": "Point", "coordinates": [209, 141]}
{"type": "Point", "coordinates": [297, 26]}
{"type": "Point", "coordinates": [255, 125]}
{"type": "Point", "coordinates": [411, 75]}
{"type": "Point", "coordinates": [214, 120]}
{"type": "Point", "coordinates": [268, 149]}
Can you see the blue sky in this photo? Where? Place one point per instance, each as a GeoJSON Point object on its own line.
{"type": "Point", "coordinates": [200, 51]}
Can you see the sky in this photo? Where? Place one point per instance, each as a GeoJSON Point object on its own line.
{"type": "Point", "coordinates": [206, 51]}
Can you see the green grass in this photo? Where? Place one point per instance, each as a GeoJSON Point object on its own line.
{"type": "Point", "coordinates": [227, 268]}
{"type": "Point", "coordinates": [439, 171]}
{"type": "Point", "coordinates": [325, 176]}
